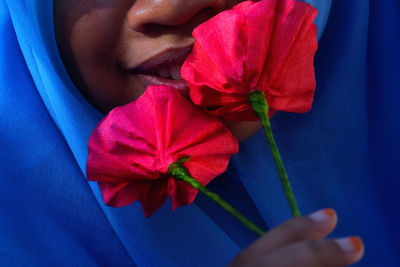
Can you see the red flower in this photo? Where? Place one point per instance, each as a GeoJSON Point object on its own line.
{"type": "Point", "coordinates": [132, 147]}
{"type": "Point", "coordinates": [267, 45]}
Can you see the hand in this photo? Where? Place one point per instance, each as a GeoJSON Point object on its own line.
{"type": "Point", "coordinates": [299, 242]}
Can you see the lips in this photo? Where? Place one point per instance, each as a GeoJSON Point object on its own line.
{"type": "Point", "coordinates": [150, 79]}
{"type": "Point", "coordinates": [163, 68]}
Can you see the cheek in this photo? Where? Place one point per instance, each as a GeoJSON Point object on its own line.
{"type": "Point", "coordinates": [93, 41]}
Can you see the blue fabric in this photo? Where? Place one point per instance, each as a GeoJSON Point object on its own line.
{"type": "Point", "coordinates": [343, 154]}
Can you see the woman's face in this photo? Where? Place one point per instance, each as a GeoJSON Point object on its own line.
{"type": "Point", "coordinates": [114, 49]}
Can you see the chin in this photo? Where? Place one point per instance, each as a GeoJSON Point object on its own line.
{"type": "Point", "coordinates": [244, 129]}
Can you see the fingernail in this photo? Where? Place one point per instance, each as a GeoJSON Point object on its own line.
{"type": "Point", "coordinates": [322, 215]}
{"type": "Point", "coordinates": [350, 244]}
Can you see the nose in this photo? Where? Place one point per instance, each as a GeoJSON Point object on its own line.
{"type": "Point", "coordinates": [169, 12]}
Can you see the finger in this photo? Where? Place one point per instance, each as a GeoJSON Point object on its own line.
{"type": "Point", "coordinates": [314, 226]}
{"type": "Point", "coordinates": [316, 253]}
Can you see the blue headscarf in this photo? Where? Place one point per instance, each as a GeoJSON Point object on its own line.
{"type": "Point", "coordinates": [342, 154]}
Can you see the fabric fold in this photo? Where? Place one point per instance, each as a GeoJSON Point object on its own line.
{"type": "Point", "coordinates": [324, 151]}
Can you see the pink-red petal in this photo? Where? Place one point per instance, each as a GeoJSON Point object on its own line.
{"type": "Point", "coordinates": [267, 45]}
{"type": "Point", "coordinates": [132, 148]}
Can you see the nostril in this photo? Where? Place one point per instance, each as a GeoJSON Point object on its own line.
{"type": "Point", "coordinates": [154, 30]}
{"type": "Point", "coordinates": [183, 28]}
{"type": "Point", "coordinates": [146, 17]}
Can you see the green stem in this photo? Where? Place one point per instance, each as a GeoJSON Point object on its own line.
{"type": "Point", "coordinates": [260, 107]}
{"type": "Point", "coordinates": [177, 171]}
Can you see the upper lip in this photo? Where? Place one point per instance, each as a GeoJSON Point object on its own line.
{"type": "Point", "coordinates": [165, 58]}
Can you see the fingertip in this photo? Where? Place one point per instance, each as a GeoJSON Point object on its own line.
{"type": "Point", "coordinates": [357, 243]}
{"type": "Point", "coordinates": [352, 246]}
{"type": "Point", "coordinates": [324, 216]}
{"type": "Point", "coordinates": [330, 212]}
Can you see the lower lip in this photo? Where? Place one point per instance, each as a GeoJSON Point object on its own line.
{"type": "Point", "coordinates": [180, 85]}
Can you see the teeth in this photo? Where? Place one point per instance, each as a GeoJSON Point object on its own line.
{"type": "Point", "coordinates": [163, 72]}
{"type": "Point", "coordinates": [176, 72]}
{"type": "Point", "coordinates": [172, 72]}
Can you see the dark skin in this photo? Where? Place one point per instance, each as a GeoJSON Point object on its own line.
{"type": "Point", "coordinates": [112, 51]}
{"type": "Point", "coordinates": [121, 34]}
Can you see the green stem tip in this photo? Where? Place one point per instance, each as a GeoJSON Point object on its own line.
{"type": "Point", "coordinates": [178, 171]}
{"type": "Point", "coordinates": [261, 108]}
